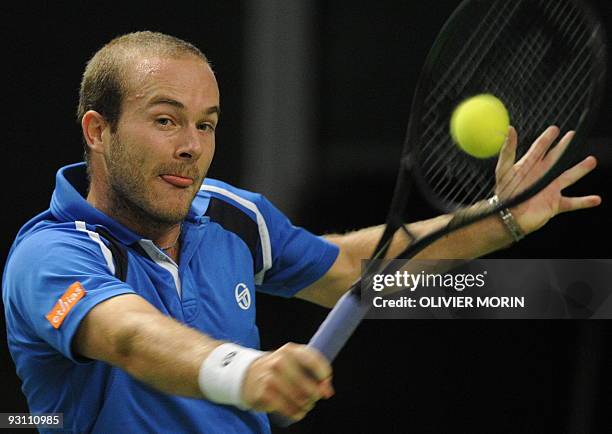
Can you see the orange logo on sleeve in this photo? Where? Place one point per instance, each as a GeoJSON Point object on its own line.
{"type": "Point", "coordinates": [73, 294]}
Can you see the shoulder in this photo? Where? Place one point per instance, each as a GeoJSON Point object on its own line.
{"type": "Point", "coordinates": [240, 212]}
{"type": "Point", "coordinates": [249, 215]}
{"type": "Point", "coordinates": [49, 237]}
{"type": "Point", "coordinates": [56, 245]}
{"type": "Point", "coordinates": [223, 202]}
{"type": "Point", "coordinates": [247, 201]}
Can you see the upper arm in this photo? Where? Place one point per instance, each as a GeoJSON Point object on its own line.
{"type": "Point", "coordinates": [52, 280]}
{"type": "Point", "coordinates": [339, 277]}
{"type": "Point", "coordinates": [299, 258]}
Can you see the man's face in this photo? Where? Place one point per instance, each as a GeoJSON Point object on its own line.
{"type": "Point", "coordinates": [165, 138]}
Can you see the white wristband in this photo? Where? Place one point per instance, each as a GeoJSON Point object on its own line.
{"type": "Point", "coordinates": [222, 373]}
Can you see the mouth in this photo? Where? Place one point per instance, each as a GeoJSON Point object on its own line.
{"type": "Point", "coordinates": [177, 180]}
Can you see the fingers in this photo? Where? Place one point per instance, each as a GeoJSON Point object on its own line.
{"type": "Point", "coordinates": [575, 203]}
{"type": "Point", "coordinates": [507, 155]}
{"type": "Point", "coordinates": [556, 152]}
{"type": "Point", "coordinates": [540, 146]}
{"type": "Point", "coordinates": [573, 174]}
{"type": "Point", "coordinates": [295, 380]}
{"type": "Point", "coordinates": [313, 361]}
{"type": "Point", "coordinates": [290, 401]}
{"type": "Point", "coordinates": [511, 179]}
{"type": "Point", "coordinates": [288, 381]}
{"type": "Point", "coordinates": [569, 177]}
{"type": "Point", "coordinates": [326, 389]}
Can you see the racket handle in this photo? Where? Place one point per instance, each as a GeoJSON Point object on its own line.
{"type": "Point", "coordinates": [339, 325]}
{"type": "Point", "coordinates": [332, 334]}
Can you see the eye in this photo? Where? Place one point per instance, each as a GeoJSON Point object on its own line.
{"type": "Point", "coordinates": [207, 127]}
{"type": "Point", "coordinates": [164, 122]}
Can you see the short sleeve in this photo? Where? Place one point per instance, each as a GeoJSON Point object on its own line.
{"type": "Point", "coordinates": [298, 257]}
{"type": "Point", "coordinates": [53, 278]}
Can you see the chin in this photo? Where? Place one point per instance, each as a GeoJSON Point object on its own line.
{"type": "Point", "coordinates": [170, 213]}
{"type": "Point", "coordinates": [172, 217]}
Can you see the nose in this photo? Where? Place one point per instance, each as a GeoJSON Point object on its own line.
{"type": "Point", "coordinates": [191, 144]}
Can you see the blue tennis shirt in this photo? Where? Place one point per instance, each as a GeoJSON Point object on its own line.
{"type": "Point", "coordinates": [233, 243]}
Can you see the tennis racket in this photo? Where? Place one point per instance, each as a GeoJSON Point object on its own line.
{"type": "Point", "coordinates": [546, 60]}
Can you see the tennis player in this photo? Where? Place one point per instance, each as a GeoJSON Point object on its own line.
{"type": "Point", "coordinates": [130, 303]}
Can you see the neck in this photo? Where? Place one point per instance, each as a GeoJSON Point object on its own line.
{"type": "Point", "coordinates": [163, 234]}
{"type": "Point", "coordinates": [170, 247]}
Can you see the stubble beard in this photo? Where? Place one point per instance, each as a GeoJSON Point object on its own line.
{"type": "Point", "coordinates": [130, 198]}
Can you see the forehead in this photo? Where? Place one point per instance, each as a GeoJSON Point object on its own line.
{"type": "Point", "coordinates": [189, 79]}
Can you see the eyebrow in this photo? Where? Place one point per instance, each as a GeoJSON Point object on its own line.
{"type": "Point", "coordinates": [179, 105]}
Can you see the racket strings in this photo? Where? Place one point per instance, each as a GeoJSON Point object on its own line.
{"type": "Point", "coordinates": [518, 62]}
{"type": "Point", "coordinates": [559, 85]}
{"type": "Point", "coordinates": [513, 181]}
{"type": "Point", "coordinates": [548, 93]}
{"type": "Point", "coordinates": [536, 111]}
{"type": "Point", "coordinates": [496, 28]}
{"type": "Point", "coordinates": [451, 171]}
{"type": "Point", "coordinates": [456, 80]}
{"type": "Point", "coordinates": [472, 178]}
{"type": "Point", "coordinates": [470, 61]}
{"type": "Point", "coordinates": [523, 59]}
{"type": "Point", "coordinates": [575, 103]}
{"type": "Point", "coordinates": [476, 44]}
{"type": "Point", "coordinates": [520, 66]}
{"type": "Point", "coordinates": [446, 168]}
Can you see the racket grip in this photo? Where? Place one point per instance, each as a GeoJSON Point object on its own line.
{"type": "Point", "coordinates": [332, 334]}
{"type": "Point", "coordinates": [339, 325]}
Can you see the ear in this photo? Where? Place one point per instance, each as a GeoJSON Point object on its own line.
{"type": "Point", "coordinates": [95, 130]}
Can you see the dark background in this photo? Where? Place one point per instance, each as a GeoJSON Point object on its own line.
{"type": "Point", "coordinates": [361, 68]}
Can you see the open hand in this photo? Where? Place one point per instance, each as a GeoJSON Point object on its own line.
{"type": "Point", "coordinates": [513, 177]}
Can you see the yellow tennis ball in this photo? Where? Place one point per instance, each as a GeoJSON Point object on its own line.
{"type": "Point", "coordinates": [479, 125]}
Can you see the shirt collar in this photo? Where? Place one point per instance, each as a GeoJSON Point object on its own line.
{"type": "Point", "coordinates": [68, 203]}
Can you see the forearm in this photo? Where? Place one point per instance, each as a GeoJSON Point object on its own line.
{"type": "Point", "coordinates": [470, 242]}
{"type": "Point", "coordinates": [354, 247]}
{"type": "Point", "coordinates": [168, 356]}
{"type": "Point", "coordinates": [165, 354]}
{"type": "Point", "coordinates": [129, 333]}
{"type": "Point", "coordinates": [361, 244]}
